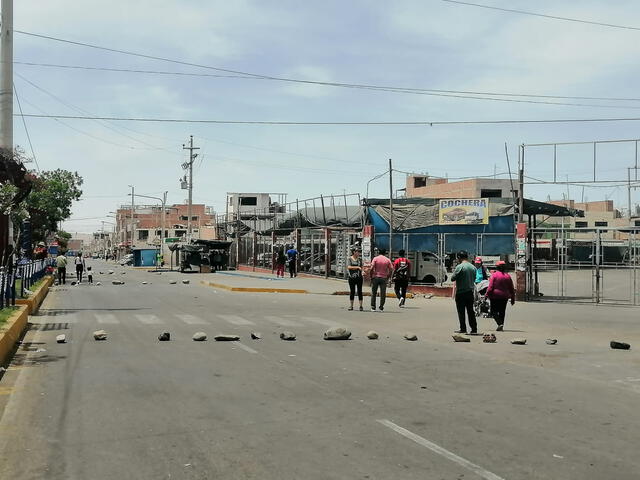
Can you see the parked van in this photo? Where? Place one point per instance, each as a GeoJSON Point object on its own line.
{"type": "Point", "coordinates": [426, 267]}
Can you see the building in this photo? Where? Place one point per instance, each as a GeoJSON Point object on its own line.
{"type": "Point", "coordinates": [435, 187]}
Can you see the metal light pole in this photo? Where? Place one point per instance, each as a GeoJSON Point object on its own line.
{"type": "Point", "coordinates": [163, 202]}
{"type": "Point", "coordinates": [132, 210]}
{"type": "Point", "coordinates": [6, 76]}
{"type": "Point", "coordinates": [189, 165]}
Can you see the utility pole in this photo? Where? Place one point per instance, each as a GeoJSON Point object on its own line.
{"type": "Point", "coordinates": [6, 77]}
{"type": "Point", "coordinates": [521, 186]}
{"type": "Point", "coordinates": [390, 209]}
{"type": "Point", "coordinates": [189, 165]}
{"type": "Point", "coordinates": [132, 220]}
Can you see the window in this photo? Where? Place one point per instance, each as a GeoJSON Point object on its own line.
{"type": "Point", "coordinates": [249, 201]}
{"type": "Point", "coordinates": [194, 218]}
{"type": "Point", "coordinates": [601, 224]}
{"type": "Point", "coordinates": [419, 182]}
{"type": "Point", "coordinates": [490, 193]}
{"type": "Point", "coordinates": [637, 223]}
{"type": "Point", "coordinates": [582, 224]}
{"type": "Point", "coordinates": [143, 234]}
{"type": "Point", "coordinates": [180, 233]}
{"type": "Point", "coordinates": [184, 217]}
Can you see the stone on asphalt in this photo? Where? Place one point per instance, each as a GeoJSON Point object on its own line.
{"type": "Point", "coordinates": [172, 282]}
{"type": "Point", "coordinates": [186, 282]}
{"type": "Point", "coordinates": [144, 283]}
{"type": "Point", "coordinates": [619, 345]}
{"type": "Point", "coordinates": [110, 272]}
{"type": "Point", "coordinates": [337, 333]}
{"type": "Point", "coordinates": [287, 335]}
{"type": "Point", "coordinates": [460, 338]}
{"type": "Point", "coordinates": [519, 341]}
{"type": "Point", "coordinates": [117, 282]}
{"type": "Point", "coordinates": [62, 338]}
{"type": "Point", "coordinates": [256, 336]}
{"type": "Point", "coordinates": [101, 273]}
{"type": "Point", "coordinates": [372, 335]}
{"type": "Point", "coordinates": [98, 283]}
{"type": "Point", "coordinates": [164, 337]}
{"type": "Point", "coordinates": [100, 335]}
{"type": "Point", "coordinates": [73, 283]}
{"type": "Point", "coordinates": [551, 341]}
{"type": "Point", "coordinates": [226, 338]}
{"type": "Point", "coordinates": [412, 337]}
{"type": "Point", "coordinates": [199, 336]}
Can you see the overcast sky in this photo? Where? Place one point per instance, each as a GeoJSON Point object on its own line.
{"type": "Point", "coordinates": [427, 44]}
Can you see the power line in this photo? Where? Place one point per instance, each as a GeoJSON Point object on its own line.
{"type": "Point", "coordinates": [553, 17]}
{"type": "Point", "coordinates": [26, 130]}
{"type": "Point", "coordinates": [320, 123]}
{"type": "Point", "coordinates": [352, 85]}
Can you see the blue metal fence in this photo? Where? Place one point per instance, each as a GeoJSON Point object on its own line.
{"type": "Point", "coordinates": [28, 271]}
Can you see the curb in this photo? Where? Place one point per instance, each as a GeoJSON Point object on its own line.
{"type": "Point", "coordinates": [34, 301]}
{"type": "Point", "coordinates": [252, 289]}
{"type": "Point", "coordinates": [368, 294]}
{"type": "Point", "coordinates": [12, 331]}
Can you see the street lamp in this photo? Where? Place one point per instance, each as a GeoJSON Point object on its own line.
{"type": "Point", "coordinates": [163, 202]}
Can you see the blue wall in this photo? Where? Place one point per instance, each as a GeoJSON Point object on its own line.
{"type": "Point", "coordinates": [145, 257]}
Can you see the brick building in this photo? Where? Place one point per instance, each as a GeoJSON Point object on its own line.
{"type": "Point", "coordinates": [432, 187]}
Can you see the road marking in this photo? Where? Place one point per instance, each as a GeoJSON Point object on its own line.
{"type": "Point", "coordinates": [282, 321]}
{"type": "Point", "coordinates": [191, 319]}
{"type": "Point", "coordinates": [244, 347]}
{"type": "Point", "coordinates": [478, 470]}
{"type": "Point", "coordinates": [106, 318]}
{"type": "Point", "coordinates": [149, 319]}
{"type": "Point", "coordinates": [8, 390]}
{"type": "Point", "coordinates": [235, 320]}
{"type": "Point", "coordinates": [320, 321]}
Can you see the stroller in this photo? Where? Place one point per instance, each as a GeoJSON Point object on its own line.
{"type": "Point", "coordinates": [481, 305]}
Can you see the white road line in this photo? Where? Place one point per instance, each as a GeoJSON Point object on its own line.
{"type": "Point", "coordinates": [321, 321]}
{"type": "Point", "coordinates": [282, 321]}
{"type": "Point", "coordinates": [149, 319]}
{"type": "Point", "coordinates": [191, 319]}
{"type": "Point", "coordinates": [478, 470]}
{"type": "Point", "coordinates": [244, 347]}
{"type": "Point", "coordinates": [235, 320]}
{"type": "Point", "coordinates": [106, 318]}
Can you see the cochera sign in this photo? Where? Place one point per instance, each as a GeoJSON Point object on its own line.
{"type": "Point", "coordinates": [463, 211]}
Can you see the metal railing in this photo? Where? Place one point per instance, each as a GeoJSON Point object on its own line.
{"type": "Point", "coordinates": [28, 271]}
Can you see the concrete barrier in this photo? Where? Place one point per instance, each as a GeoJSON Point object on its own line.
{"type": "Point", "coordinates": [34, 301]}
{"type": "Point", "coordinates": [11, 332]}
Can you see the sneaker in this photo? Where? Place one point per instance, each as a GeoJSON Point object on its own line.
{"type": "Point", "coordinates": [373, 309]}
{"type": "Point", "coordinates": [402, 300]}
{"type": "Point", "coordinates": [473, 332]}
{"type": "Point", "coordinates": [381, 308]}
{"type": "Point", "coordinates": [460, 331]}
{"type": "Point", "coordinates": [350, 308]}
{"type": "Point", "coordinates": [499, 329]}
{"type": "Point", "coordinates": [361, 309]}
{"type": "Point", "coordinates": [400, 303]}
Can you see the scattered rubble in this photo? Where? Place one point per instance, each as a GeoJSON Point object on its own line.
{"type": "Point", "coordinates": [164, 337]}
{"type": "Point", "coordinates": [372, 335]}
{"type": "Point", "coordinates": [489, 338]}
{"type": "Point", "coordinates": [98, 283]}
{"type": "Point", "coordinates": [144, 283]}
{"type": "Point", "coordinates": [619, 345]}
{"type": "Point", "coordinates": [337, 333]}
{"type": "Point", "coordinates": [186, 282]}
{"type": "Point", "coordinates": [199, 336]}
{"type": "Point", "coordinates": [226, 338]}
{"type": "Point", "coordinates": [256, 336]}
{"type": "Point", "coordinates": [62, 338]}
{"type": "Point", "coordinates": [551, 341]}
{"type": "Point", "coordinates": [100, 335]}
{"type": "Point", "coordinates": [101, 273]}
{"type": "Point", "coordinates": [172, 282]}
{"type": "Point", "coordinates": [412, 337]}
{"type": "Point", "coordinates": [460, 338]}
{"type": "Point", "coordinates": [110, 272]}
{"type": "Point", "coordinates": [117, 282]}
{"type": "Point", "coordinates": [73, 283]}
{"type": "Point", "coordinates": [428, 295]}
{"type": "Point", "coordinates": [519, 341]}
{"type": "Point", "coordinates": [287, 335]}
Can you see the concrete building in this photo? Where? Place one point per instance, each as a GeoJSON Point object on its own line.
{"type": "Point", "coordinates": [433, 187]}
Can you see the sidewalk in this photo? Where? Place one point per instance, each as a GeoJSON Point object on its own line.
{"type": "Point", "coordinates": [263, 282]}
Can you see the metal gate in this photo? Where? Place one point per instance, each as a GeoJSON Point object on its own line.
{"type": "Point", "coordinates": [592, 265]}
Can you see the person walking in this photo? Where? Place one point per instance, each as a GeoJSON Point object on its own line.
{"type": "Point", "coordinates": [281, 260]}
{"type": "Point", "coordinates": [89, 275]}
{"type": "Point", "coordinates": [482, 273]}
{"type": "Point", "coordinates": [381, 270]}
{"type": "Point", "coordinates": [61, 265]}
{"type": "Point", "coordinates": [80, 264]}
{"type": "Point", "coordinates": [292, 255]}
{"type": "Point", "coordinates": [401, 273]}
{"type": "Point", "coordinates": [500, 291]}
{"type": "Point", "coordinates": [354, 271]}
{"type": "Point", "coordinates": [464, 275]}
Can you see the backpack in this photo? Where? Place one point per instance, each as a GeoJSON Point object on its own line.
{"type": "Point", "coordinates": [402, 272]}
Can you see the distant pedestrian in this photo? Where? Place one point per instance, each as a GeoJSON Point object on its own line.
{"type": "Point", "coordinates": [61, 265]}
{"type": "Point", "coordinates": [281, 260]}
{"type": "Point", "coordinates": [464, 275]}
{"type": "Point", "coordinates": [89, 275]}
{"type": "Point", "coordinates": [80, 264]}
{"type": "Point", "coordinates": [482, 273]}
{"type": "Point", "coordinates": [500, 291]}
{"type": "Point", "coordinates": [401, 273]}
{"type": "Point", "coordinates": [354, 274]}
{"type": "Point", "coordinates": [381, 270]}
{"type": "Point", "coordinates": [292, 256]}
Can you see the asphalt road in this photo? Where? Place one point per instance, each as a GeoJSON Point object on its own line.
{"type": "Point", "coordinates": [135, 408]}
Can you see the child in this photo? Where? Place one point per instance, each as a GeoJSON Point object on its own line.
{"type": "Point", "coordinates": [89, 275]}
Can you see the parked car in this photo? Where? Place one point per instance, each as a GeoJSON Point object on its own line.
{"type": "Point", "coordinates": [127, 259]}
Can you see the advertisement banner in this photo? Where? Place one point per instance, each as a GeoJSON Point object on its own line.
{"type": "Point", "coordinates": [463, 211]}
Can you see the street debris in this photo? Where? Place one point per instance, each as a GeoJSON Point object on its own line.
{"type": "Point", "coordinates": [199, 337]}
{"type": "Point", "coordinates": [519, 341]}
{"type": "Point", "coordinates": [256, 336]}
{"type": "Point", "coordinates": [557, 456]}
{"type": "Point", "coordinates": [144, 283]}
{"type": "Point", "coordinates": [98, 283]}
{"type": "Point", "coordinates": [123, 273]}
{"type": "Point", "coordinates": [226, 338]}
{"type": "Point", "coordinates": [101, 273]}
{"type": "Point", "coordinates": [412, 337]}
{"type": "Point", "coordinates": [117, 282]}
{"type": "Point", "coordinates": [287, 335]}
{"type": "Point", "coordinates": [110, 272]}
{"type": "Point", "coordinates": [460, 338]}
{"type": "Point", "coordinates": [186, 282]}
{"type": "Point", "coordinates": [489, 338]}
{"type": "Point", "coordinates": [62, 338]}
{"type": "Point", "coordinates": [428, 296]}
{"type": "Point", "coordinates": [371, 335]}
{"type": "Point", "coordinates": [172, 282]}
{"type": "Point", "coordinates": [619, 345]}
{"type": "Point", "coordinates": [40, 350]}
{"type": "Point", "coordinates": [100, 335]}
{"type": "Point", "coordinates": [337, 333]}
{"type": "Point", "coordinates": [164, 337]}
{"type": "Point", "coordinates": [551, 341]}
{"type": "Point", "coordinates": [73, 283]}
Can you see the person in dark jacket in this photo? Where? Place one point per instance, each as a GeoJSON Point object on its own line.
{"type": "Point", "coordinates": [500, 291]}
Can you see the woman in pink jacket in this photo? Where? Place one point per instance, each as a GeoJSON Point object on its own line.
{"type": "Point", "coordinates": [500, 291]}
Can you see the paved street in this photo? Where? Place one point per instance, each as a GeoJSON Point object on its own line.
{"type": "Point", "coordinates": [132, 407]}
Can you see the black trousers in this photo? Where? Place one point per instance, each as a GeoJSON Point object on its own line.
{"type": "Point", "coordinates": [79, 270]}
{"type": "Point", "coordinates": [292, 268]}
{"type": "Point", "coordinates": [381, 283]}
{"type": "Point", "coordinates": [355, 284]}
{"type": "Point", "coordinates": [464, 301]}
{"type": "Point", "coordinates": [499, 309]}
{"type": "Point", "coordinates": [400, 287]}
{"type": "Point", "coordinates": [62, 275]}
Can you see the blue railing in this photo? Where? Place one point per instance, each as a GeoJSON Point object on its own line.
{"type": "Point", "coordinates": [29, 271]}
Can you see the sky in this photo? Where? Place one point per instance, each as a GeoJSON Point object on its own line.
{"type": "Point", "coordinates": [419, 44]}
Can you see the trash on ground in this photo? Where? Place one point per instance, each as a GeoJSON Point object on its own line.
{"type": "Point", "coordinates": [489, 338]}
